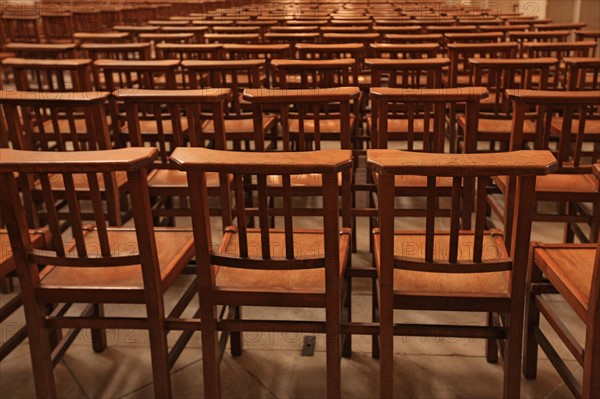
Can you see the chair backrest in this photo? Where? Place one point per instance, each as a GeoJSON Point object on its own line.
{"type": "Point", "coordinates": [62, 121]}
{"type": "Point", "coordinates": [308, 105]}
{"type": "Point", "coordinates": [90, 245]}
{"type": "Point", "coordinates": [559, 50]}
{"type": "Point", "coordinates": [235, 74]}
{"type": "Point", "coordinates": [572, 105]}
{"type": "Point", "coordinates": [43, 50]}
{"type": "Point", "coordinates": [443, 250]}
{"type": "Point", "coordinates": [194, 51]}
{"type": "Point", "coordinates": [511, 73]}
{"type": "Point", "coordinates": [51, 75]}
{"type": "Point", "coordinates": [116, 51]}
{"type": "Point", "coordinates": [459, 54]}
{"type": "Point", "coordinates": [407, 73]}
{"type": "Point", "coordinates": [582, 73]}
{"type": "Point", "coordinates": [314, 73]}
{"type": "Point", "coordinates": [144, 74]}
{"type": "Point", "coordinates": [276, 250]}
{"type": "Point", "coordinates": [403, 51]}
{"type": "Point", "coordinates": [58, 25]}
{"type": "Point", "coordinates": [537, 36]}
{"type": "Point", "coordinates": [165, 110]}
{"type": "Point", "coordinates": [20, 27]}
{"type": "Point", "coordinates": [427, 107]}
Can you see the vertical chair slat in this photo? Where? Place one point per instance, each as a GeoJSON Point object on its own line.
{"type": "Point", "coordinates": [53, 222]}
{"type": "Point", "coordinates": [263, 216]}
{"type": "Point", "coordinates": [57, 132]}
{"type": "Point", "coordinates": [455, 212]}
{"type": "Point", "coordinates": [96, 198]}
{"type": "Point", "coordinates": [74, 213]}
{"type": "Point", "coordinates": [317, 126]}
{"type": "Point", "coordinates": [580, 135]}
{"type": "Point", "coordinates": [480, 218]}
{"type": "Point", "coordinates": [287, 216]}
{"type": "Point", "coordinates": [430, 218]}
{"type": "Point", "coordinates": [241, 214]}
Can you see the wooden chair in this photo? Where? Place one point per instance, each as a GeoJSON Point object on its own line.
{"type": "Point", "coordinates": [168, 119]}
{"type": "Point", "coordinates": [280, 267]}
{"type": "Point", "coordinates": [21, 27]}
{"type": "Point", "coordinates": [572, 185]}
{"type": "Point", "coordinates": [87, 19]}
{"type": "Point", "coordinates": [553, 36]}
{"type": "Point", "coordinates": [110, 75]}
{"type": "Point", "coordinates": [440, 270]}
{"type": "Point", "coordinates": [65, 123]}
{"type": "Point", "coordinates": [495, 120]}
{"type": "Point", "coordinates": [57, 26]}
{"type": "Point", "coordinates": [573, 272]}
{"type": "Point", "coordinates": [237, 75]}
{"type": "Point", "coordinates": [100, 265]}
{"type": "Point", "coordinates": [415, 73]}
{"type": "Point", "coordinates": [249, 38]}
{"type": "Point", "coordinates": [197, 31]}
{"type": "Point", "coordinates": [43, 50]}
{"type": "Point", "coordinates": [194, 51]}
{"type": "Point", "coordinates": [116, 51]}
{"type": "Point", "coordinates": [294, 73]}
{"type": "Point", "coordinates": [51, 75]}
{"type": "Point", "coordinates": [101, 37]}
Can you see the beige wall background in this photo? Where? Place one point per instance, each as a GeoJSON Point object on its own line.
{"type": "Point", "coordinates": [560, 11]}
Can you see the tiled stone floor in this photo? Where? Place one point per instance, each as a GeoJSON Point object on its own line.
{"type": "Point", "coordinates": [271, 366]}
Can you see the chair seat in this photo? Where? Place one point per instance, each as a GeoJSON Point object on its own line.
{"type": "Point", "coordinates": [304, 180]}
{"type": "Point", "coordinates": [241, 126]}
{"type": "Point", "coordinates": [150, 127]}
{"type": "Point", "coordinates": [81, 183]}
{"type": "Point", "coordinates": [327, 126]}
{"type": "Point", "coordinates": [172, 178]}
{"type": "Point", "coordinates": [592, 128]}
{"type": "Point", "coordinates": [570, 270]}
{"type": "Point", "coordinates": [498, 129]}
{"type": "Point", "coordinates": [416, 283]}
{"type": "Point", "coordinates": [559, 183]}
{"type": "Point", "coordinates": [307, 243]}
{"type": "Point", "coordinates": [38, 240]}
{"type": "Point", "coordinates": [175, 247]}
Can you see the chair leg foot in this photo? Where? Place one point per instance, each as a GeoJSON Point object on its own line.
{"type": "Point", "coordinates": [235, 338]}
{"type": "Point", "coordinates": [98, 335]}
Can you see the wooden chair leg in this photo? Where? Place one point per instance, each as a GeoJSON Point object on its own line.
{"type": "Point", "coordinates": [334, 366]}
{"type": "Point", "coordinates": [40, 352]}
{"type": "Point", "coordinates": [591, 364]}
{"type": "Point", "coordinates": [569, 235]}
{"type": "Point", "coordinates": [98, 335]}
{"type": "Point", "coordinates": [491, 345]}
{"type": "Point", "coordinates": [160, 356]}
{"type": "Point", "coordinates": [6, 285]}
{"type": "Point", "coordinates": [210, 359]}
{"type": "Point", "coordinates": [235, 338]}
{"type": "Point", "coordinates": [512, 357]}
{"type": "Point", "coordinates": [532, 323]}
{"type": "Point", "coordinates": [347, 316]}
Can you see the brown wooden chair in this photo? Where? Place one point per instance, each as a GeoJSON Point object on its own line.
{"type": "Point", "coordinates": [415, 73]}
{"type": "Point", "coordinates": [168, 119]}
{"type": "Point", "coordinates": [194, 51]}
{"type": "Point", "coordinates": [101, 264]}
{"type": "Point", "coordinates": [573, 272]}
{"type": "Point", "coordinates": [21, 27]}
{"type": "Point", "coordinates": [65, 50]}
{"type": "Point", "coordinates": [101, 37]}
{"type": "Point", "coordinates": [285, 266]}
{"type": "Point", "coordinates": [50, 75]}
{"type": "Point", "coordinates": [116, 51]}
{"type": "Point", "coordinates": [67, 122]}
{"type": "Point", "coordinates": [572, 185]}
{"type": "Point", "coordinates": [553, 36]}
{"type": "Point", "coordinates": [495, 119]}
{"type": "Point", "coordinates": [57, 25]}
{"type": "Point", "coordinates": [110, 75]}
{"type": "Point", "coordinates": [236, 75]}
{"type": "Point", "coordinates": [455, 270]}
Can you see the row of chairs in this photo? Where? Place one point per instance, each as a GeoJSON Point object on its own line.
{"type": "Point", "coordinates": [461, 191]}
{"type": "Point", "coordinates": [265, 266]}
